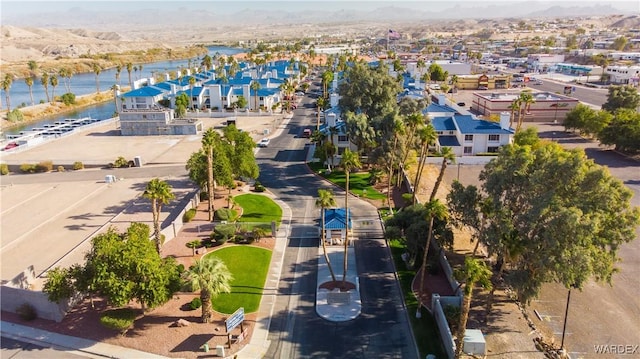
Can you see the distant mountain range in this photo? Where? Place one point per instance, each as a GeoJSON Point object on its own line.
{"type": "Point", "coordinates": [84, 16]}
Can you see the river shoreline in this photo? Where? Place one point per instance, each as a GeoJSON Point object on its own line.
{"type": "Point", "coordinates": [40, 112]}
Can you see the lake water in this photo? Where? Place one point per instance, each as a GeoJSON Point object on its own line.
{"type": "Point", "coordinates": [85, 83]}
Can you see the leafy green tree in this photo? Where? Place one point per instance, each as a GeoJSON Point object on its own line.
{"type": "Point", "coordinates": [126, 267]}
{"type": "Point", "coordinates": [528, 136]}
{"type": "Point", "coordinates": [211, 277]}
{"type": "Point", "coordinates": [475, 272]}
{"type": "Point", "coordinates": [159, 193]}
{"type": "Point", "coordinates": [565, 215]}
{"type": "Point", "coordinates": [622, 97]}
{"type": "Point", "coordinates": [619, 43]}
{"type": "Point", "coordinates": [371, 91]}
{"type": "Point", "coordinates": [59, 284]}
{"type": "Point", "coordinates": [360, 132]}
{"type": "Point", "coordinates": [437, 73]}
{"type": "Point", "coordinates": [325, 200]}
{"type": "Point", "coordinates": [348, 163]}
{"type": "Point", "coordinates": [239, 149]}
{"type": "Point", "coordinates": [182, 102]}
{"type": "Point", "coordinates": [241, 102]}
{"type": "Point", "coordinates": [623, 131]}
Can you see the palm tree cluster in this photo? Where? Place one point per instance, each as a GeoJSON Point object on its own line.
{"type": "Point", "coordinates": [520, 107]}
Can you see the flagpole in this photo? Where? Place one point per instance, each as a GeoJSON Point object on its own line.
{"type": "Point", "coordinates": [388, 31]}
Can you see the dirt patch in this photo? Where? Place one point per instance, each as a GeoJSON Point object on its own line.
{"type": "Point", "coordinates": [343, 286]}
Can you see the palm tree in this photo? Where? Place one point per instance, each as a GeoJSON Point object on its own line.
{"type": "Point", "coordinates": [33, 67]}
{"type": "Point", "coordinates": [427, 135]}
{"type": "Point", "coordinates": [420, 65]}
{"type": "Point", "coordinates": [526, 99]}
{"type": "Point", "coordinates": [192, 82]}
{"type": "Point", "coordinates": [327, 77]}
{"type": "Point", "coordinates": [255, 86]}
{"type": "Point", "coordinates": [140, 69]}
{"type": "Point", "coordinates": [6, 86]}
{"type": "Point", "coordinates": [211, 276]}
{"type": "Point", "coordinates": [118, 71]}
{"type": "Point", "coordinates": [159, 192]}
{"type": "Point", "coordinates": [210, 140]}
{"type": "Point", "coordinates": [44, 80]}
{"type": "Point", "coordinates": [333, 130]}
{"type": "Point", "coordinates": [325, 200]}
{"type": "Point", "coordinates": [348, 162]}
{"type": "Point", "coordinates": [320, 103]}
{"type": "Point", "coordinates": [207, 62]}
{"type": "Point", "coordinates": [97, 70]}
{"type": "Point", "coordinates": [475, 272]}
{"type": "Point", "coordinates": [129, 69]}
{"type": "Point", "coordinates": [435, 209]}
{"type": "Point", "coordinates": [29, 82]}
{"type": "Point", "coordinates": [447, 156]}
{"type": "Point", "coordinates": [53, 80]}
{"type": "Point", "coordinates": [515, 110]}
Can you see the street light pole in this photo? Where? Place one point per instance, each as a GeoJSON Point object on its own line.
{"type": "Point", "coordinates": [564, 326]}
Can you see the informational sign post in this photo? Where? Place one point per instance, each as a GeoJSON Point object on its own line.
{"type": "Point", "coordinates": [237, 318]}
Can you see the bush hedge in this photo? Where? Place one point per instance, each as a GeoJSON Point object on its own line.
{"type": "Point", "coordinates": [195, 303]}
{"type": "Point", "coordinates": [77, 165]}
{"type": "Point", "coordinates": [4, 169]}
{"type": "Point", "coordinates": [188, 215]}
{"type": "Point", "coordinates": [226, 214]}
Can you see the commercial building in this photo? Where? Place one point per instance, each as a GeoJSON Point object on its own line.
{"type": "Point", "coordinates": [547, 106]}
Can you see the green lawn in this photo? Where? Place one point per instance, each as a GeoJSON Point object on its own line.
{"type": "Point", "coordinates": [249, 266]}
{"type": "Point", "coordinates": [258, 208]}
{"type": "Point", "coordinates": [358, 182]}
{"type": "Point", "coordinates": [425, 329]}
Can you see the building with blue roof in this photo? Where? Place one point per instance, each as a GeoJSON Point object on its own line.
{"type": "Point", "coordinates": [335, 227]}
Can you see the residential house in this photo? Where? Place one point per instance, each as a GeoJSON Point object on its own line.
{"type": "Point", "coordinates": [466, 134]}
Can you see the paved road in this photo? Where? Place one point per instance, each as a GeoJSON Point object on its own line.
{"type": "Point", "coordinates": [15, 349]}
{"type": "Point", "coordinates": [382, 330]}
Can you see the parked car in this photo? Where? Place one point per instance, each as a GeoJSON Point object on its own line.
{"type": "Point", "coordinates": [462, 104]}
{"type": "Point", "coordinates": [434, 87]}
{"type": "Point", "coordinates": [482, 87]}
{"type": "Point", "coordinates": [299, 93]}
{"type": "Point", "coordinates": [264, 142]}
{"type": "Point", "coordinates": [538, 82]}
{"type": "Point", "coordinates": [10, 145]}
{"type": "Point", "coordinates": [306, 133]}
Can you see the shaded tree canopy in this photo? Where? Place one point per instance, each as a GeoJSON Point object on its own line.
{"type": "Point", "coordinates": [554, 214]}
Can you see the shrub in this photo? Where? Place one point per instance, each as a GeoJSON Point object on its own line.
{"type": "Point", "coordinates": [121, 162]}
{"type": "Point", "coordinates": [28, 168]}
{"type": "Point", "coordinates": [27, 312]}
{"type": "Point", "coordinates": [226, 214]}
{"type": "Point", "coordinates": [118, 319]}
{"type": "Point", "coordinates": [4, 169]}
{"type": "Point", "coordinates": [204, 196]}
{"type": "Point", "coordinates": [77, 165]}
{"type": "Point", "coordinates": [44, 166]}
{"type": "Point", "coordinates": [15, 116]}
{"type": "Point", "coordinates": [223, 233]}
{"type": "Point", "coordinates": [258, 187]}
{"type": "Point", "coordinates": [68, 98]}
{"type": "Point", "coordinates": [189, 215]}
{"type": "Point", "coordinates": [61, 169]}
{"type": "Point", "coordinates": [195, 304]}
